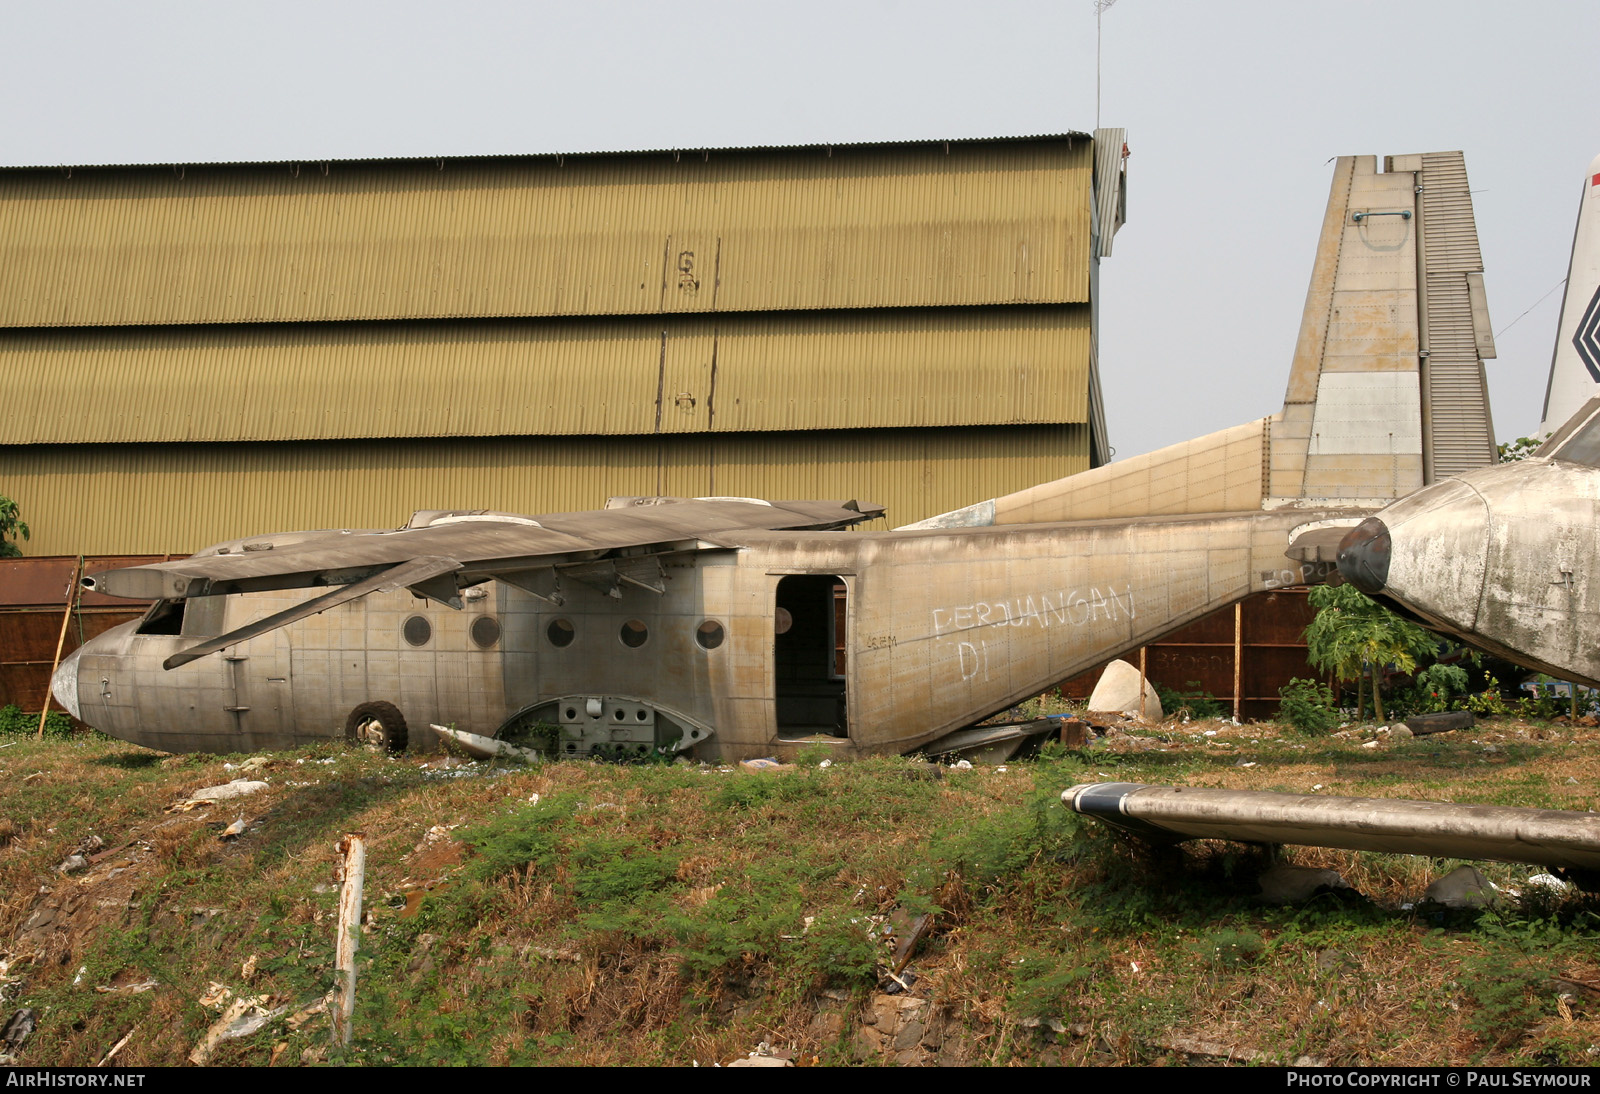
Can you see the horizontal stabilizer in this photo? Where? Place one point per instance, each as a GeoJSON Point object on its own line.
{"type": "Point", "coordinates": [1171, 814]}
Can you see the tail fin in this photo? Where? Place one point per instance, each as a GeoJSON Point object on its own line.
{"type": "Point", "coordinates": [1575, 364]}
{"type": "Point", "coordinates": [1386, 392]}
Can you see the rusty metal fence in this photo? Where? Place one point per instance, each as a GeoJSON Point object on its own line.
{"type": "Point", "coordinates": [1244, 653]}
{"type": "Point", "coordinates": [38, 595]}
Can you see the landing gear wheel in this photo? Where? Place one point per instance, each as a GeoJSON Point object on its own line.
{"type": "Point", "coordinates": [377, 725]}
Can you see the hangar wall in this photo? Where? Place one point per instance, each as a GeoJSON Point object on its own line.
{"type": "Point", "coordinates": [200, 352]}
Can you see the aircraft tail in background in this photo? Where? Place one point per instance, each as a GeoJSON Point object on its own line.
{"type": "Point", "coordinates": [1386, 391]}
{"type": "Point", "coordinates": [1575, 364]}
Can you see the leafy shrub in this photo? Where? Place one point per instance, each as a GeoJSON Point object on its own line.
{"type": "Point", "coordinates": [1488, 702]}
{"type": "Point", "coordinates": [1230, 949]}
{"type": "Point", "coordinates": [1438, 686]}
{"type": "Point", "coordinates": [11, 528]}
{"type": "Point", "coordinates": [528, 837]}
{"type": "Point", "coordinates": [1195, 703]}
{"type": "Point", "coordinates": [13, 721]}
{"type": "Point", "coordinates": [737, 924]}
{"type": "Point", "coordinates": [1054, 986]}
{"type": "Point", "coordinates": [841, 948]}
{"type": "Point", "coordinates": [1308, 706]}
{"type": "Point", "coordinates": [1352, 631]}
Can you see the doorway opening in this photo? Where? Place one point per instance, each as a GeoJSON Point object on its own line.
{"type": "Point", "coordinates": [809, 655]}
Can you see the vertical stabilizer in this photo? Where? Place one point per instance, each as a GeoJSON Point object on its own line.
{"type": "Point", "coordinates": [1575, 364]}
{"type": "Point", "coordinates": [1387, 391]}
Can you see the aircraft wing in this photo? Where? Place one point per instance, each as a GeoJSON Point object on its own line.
{"type": "Point", "coordinates": [1172, 814]}
{"type": "Point", "coordinates": [437, 555]}
{"type": "Point", "coordinates": [484, 545]}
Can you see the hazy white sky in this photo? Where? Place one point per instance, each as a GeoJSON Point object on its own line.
{"type": "Point", "coordinates": [1233, 111]}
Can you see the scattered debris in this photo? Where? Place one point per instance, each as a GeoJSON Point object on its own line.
{"type": "Point", "coordinates": [485, 748]}
{"type": "Point", "coordinates": [1075, 732]}
{"type": "Point", "coordinates": [118, 1047]}
{"type": "Point", "coordinates": [307, 1012]}
{"type": "Point", "coordinates": [238, 788]}
{"type": "Point", "coordinates": [764, 1055]}
{"type": "Point", "coordinates": [216, 995]}
{"type": "Point", "coordinates": [136, 988]}
{"type": "Point", "coordinates": [1424, 724]}
{"type": "Point", "coordinates": [234, 830]}
{"type": "Point", "coordinates": [1298, 884]}
{"type": "Point", "coordinates": [244, 1016]}
{"type": "Point", "coordinates": [1211, 1050]}
{"type": "Point", "coordinates": [909, 932]}
{"type": "Point", "coordinates": [72, 864]}
{"type": "Point", "coordinates": [353, 849]}
{"type": "Point", "coordinates": [17, 1028]}
{"type": "Point", "coordinates": [1549, 882]}
{"type": "Point", "coordinates": [765, 764]}
{"type": "Point", "coordinates": [1463, 887]}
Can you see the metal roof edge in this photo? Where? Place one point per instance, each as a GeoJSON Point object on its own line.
{"type": "Point", "coordinates": [1068, 136]}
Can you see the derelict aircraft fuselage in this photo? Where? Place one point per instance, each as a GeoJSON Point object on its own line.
{"type": "Point", "coordinates": [738, 627]}
{"type": "Point", "coordinates": [863, 642]}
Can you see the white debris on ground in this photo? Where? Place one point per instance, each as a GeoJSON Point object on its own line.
{"type": "Point", "coordinates": [238, 788]}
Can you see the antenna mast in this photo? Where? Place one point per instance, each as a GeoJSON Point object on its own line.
{"type": "Point", "coordinates": [1100, 8]}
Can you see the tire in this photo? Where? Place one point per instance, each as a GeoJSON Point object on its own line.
{"type": "Point", "coordinates": [377, 725]}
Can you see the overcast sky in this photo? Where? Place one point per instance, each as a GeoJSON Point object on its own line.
{"type": "Point", "coordinates": [1233, 112]}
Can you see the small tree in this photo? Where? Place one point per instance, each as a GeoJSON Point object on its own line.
{"type": "Point", "coordinates": [1519, 449]}
{"type": "Point", "coordinates": [11, 528]}
{"type": "Point", "coordinates": [1352, 630]}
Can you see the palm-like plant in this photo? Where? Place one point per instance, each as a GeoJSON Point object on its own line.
{"type": "Point", "coordinates": [1351, 631]}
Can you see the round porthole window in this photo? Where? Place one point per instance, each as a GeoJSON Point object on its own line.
{"type": "Point", "coordinates": [417, 630]}
{"type": "Point", "coordinates": [560, 632]}
{"type": "Point", "coordinates": [709, 634]}
{"type": "Point", "coordinates": [634, 634]}
{"type": "Point", "coordinates": [485, 631]}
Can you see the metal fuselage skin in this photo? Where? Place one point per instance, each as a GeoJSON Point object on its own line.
{"type": "Point", "coordinates": [941, 628]}
{"type": "Point", "coordinates": [1501, 558]}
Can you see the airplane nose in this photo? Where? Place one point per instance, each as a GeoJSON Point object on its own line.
{"type": "Point", "coordinates": [64, 684]}
{"type": "Point", "coordinates": [1364, 556]}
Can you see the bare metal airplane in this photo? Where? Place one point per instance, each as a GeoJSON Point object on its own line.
{"type": "Point", "coordinates": [737, 628]}
{"type": "Point", "coordinates": [1504, 558]}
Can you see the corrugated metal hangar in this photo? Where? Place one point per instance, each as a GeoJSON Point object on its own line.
{"type": "Point", "coordinates": [194, 353]}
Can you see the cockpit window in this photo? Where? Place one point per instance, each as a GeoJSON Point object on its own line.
{"type": "Point", "coordinates": [164, 617]}
{"type": "Point", "coordinates": [197, 618]}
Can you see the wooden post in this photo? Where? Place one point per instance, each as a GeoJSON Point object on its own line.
{"type": "Point", "coordinates": [1238, 655]}
{"type": "Point", "coordinates": [354, 849]}
{"type": "Point", "coordinates": [61, 639]}
{"type": "Point", "coordinates": [1141, 683]}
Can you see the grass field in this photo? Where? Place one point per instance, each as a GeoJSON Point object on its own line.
{"type": "Point", "coordinates": [581, 913]}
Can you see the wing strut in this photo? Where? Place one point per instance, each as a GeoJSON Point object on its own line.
{"type": "Point", "coordinates": [415, 572]}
